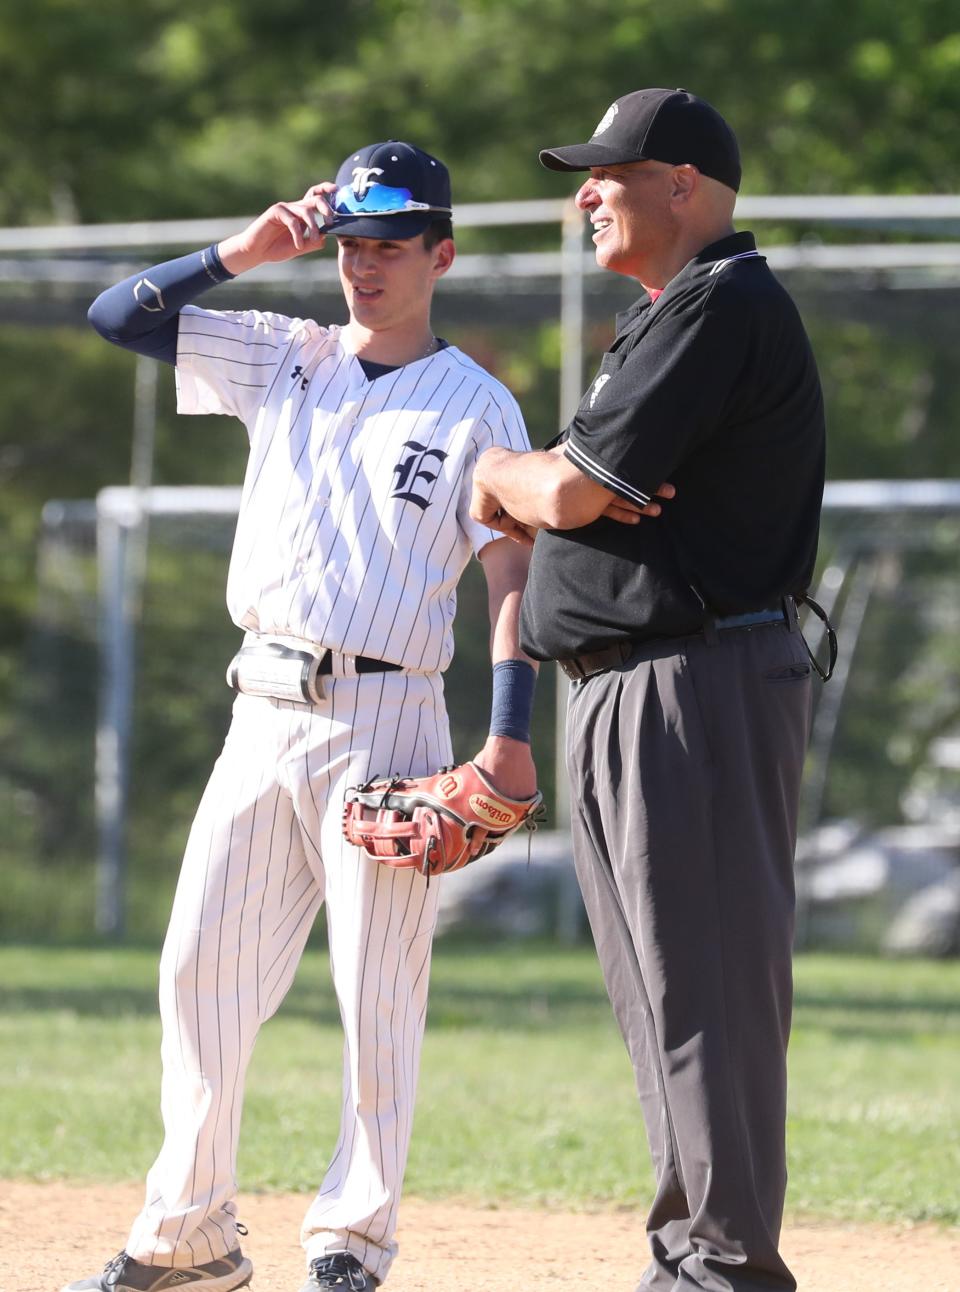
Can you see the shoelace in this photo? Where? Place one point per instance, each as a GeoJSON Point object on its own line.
{"type": "Point", "coordinates": [340, 1270]}
{"type": "Point", "coordinates": [115, 1267]}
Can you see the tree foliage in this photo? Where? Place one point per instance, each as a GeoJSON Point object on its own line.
{"type": "Point", "coordinates": [115, 111]}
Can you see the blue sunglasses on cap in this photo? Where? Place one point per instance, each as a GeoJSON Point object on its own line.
{"type": "Point", "coordinates": [380, 199]}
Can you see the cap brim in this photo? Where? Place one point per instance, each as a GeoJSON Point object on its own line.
{"type": "Point", "coordinates": [394, 228]}
{"type": "Point", "coordinates": [585, 156]}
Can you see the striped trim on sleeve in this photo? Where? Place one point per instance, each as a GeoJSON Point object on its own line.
{"type": "Point", "coordinates": [602, 475]}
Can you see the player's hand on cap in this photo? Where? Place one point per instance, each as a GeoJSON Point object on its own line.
{"type": "Point", "coordinates": [283, 232]}
{"type": "Point", "coordinates": [629, 513]}
{"type": "Point", "coordinates": [320, 197]}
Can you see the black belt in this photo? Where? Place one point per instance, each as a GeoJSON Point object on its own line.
{"type": "Point", "coordinates": [364, 664]}
{"type": "Point", "coordinates": [580, 667]}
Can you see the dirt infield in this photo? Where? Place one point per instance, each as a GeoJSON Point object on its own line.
{"type": "Point", "coordinates": [53, 1233]}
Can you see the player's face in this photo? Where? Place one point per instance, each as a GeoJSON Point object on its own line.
{"type": "Point", "coordinates": [388, 285]}
{"type": "Point", "coordinates": [630, 211]}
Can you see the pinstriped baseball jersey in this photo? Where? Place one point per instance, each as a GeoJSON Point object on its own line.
{"type": "Point", "coordinates": [354, 526]}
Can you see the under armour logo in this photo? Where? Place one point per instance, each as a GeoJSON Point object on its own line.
{"type": "Point", "coordinates": [180, 1276]}
{"type": "Point", "coordinates": [298, 372]}
{"type": "Point", "coordinates": [148, 296]}
{"type": "Point", "coordinates": [598, 385]}
{"type": "Point", "coordinates": [362, 180]}
{"type": "Point", "coordinates": [411, 469]}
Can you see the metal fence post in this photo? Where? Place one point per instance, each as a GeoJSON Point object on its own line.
{"type": "Point", "coordinates": [114, 721]}
{"type": "Point", "coordinates": [569, 913]}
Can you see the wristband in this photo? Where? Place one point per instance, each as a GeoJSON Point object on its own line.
{"type": "Point", "coordinates": [214, 266]}
{"type": "Point", "coordinates": [512, 707]}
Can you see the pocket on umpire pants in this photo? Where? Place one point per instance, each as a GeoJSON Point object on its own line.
{"type": "Point", "coordinates": [793, 672]}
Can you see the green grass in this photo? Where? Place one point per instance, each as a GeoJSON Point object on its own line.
{"type": "Point", "coordinates": [526, 1094]}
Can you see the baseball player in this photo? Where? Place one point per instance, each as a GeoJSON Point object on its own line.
{"type": "Point", "coordinates": [689, 704]}
{"type": "Point", "coordinates": [353, 531]}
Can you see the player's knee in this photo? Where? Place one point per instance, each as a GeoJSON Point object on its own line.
{"type": "Point", "coordinates": [187, 972]}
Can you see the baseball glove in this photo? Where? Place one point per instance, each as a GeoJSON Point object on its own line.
{"type": "Point", "coordinates": [434, 823]}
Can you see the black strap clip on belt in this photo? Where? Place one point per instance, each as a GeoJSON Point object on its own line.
{"type": "Point", "coordinates": [825, 673]}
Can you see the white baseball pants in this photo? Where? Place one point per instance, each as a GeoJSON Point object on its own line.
{"type": "Point", "coordinates": [264, 852]}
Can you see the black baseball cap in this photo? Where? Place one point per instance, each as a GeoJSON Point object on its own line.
{"type": "Point", "coordinates": [657, 125]}
{"type": "Point", "coordinates": [390, 190]}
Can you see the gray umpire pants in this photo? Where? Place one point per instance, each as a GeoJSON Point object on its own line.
{"type": "Point", "coordinates": [685, 768]}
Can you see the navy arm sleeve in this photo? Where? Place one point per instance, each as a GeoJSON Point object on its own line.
{"type": "Point", "coordinates": [142, 313]}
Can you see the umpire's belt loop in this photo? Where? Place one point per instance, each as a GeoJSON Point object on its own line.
{"type": "Point", "coordinates": [791, 613]}
{"type": "Point", "coordinates": [710, 634]}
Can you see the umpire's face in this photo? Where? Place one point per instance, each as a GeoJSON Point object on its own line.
{"type": "Point", "coordinates": [633, 212]}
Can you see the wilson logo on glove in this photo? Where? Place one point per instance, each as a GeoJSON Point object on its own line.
{"type": "Point", "coordinates": [495, 816]}
{"type": "Point", "coordinates": [434, 823]}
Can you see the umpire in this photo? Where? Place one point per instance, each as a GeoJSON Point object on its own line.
{"type": "Point", "coordinates": [675, 615]}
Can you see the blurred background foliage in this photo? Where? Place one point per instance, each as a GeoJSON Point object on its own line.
{"type": "Point", "coordinates": [114, 112]}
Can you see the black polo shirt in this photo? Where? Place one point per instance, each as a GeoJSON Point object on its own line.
{"type": "Point", "coordinates": [714, 388]}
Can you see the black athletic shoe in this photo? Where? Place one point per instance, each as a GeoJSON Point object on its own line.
{"type": "Point", "coordinates": [338, 1270]}
{"type": "Point", "coordinates": [124, 1274]}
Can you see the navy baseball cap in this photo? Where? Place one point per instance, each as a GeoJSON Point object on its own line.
{"type": "Point", "coordinates": [657, 125]}
{"type": "Point", "coordinates": [390, 190]}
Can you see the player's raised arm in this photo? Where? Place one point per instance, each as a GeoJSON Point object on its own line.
{"type": "Point", "coordinates": [141, 313]}
{"type": "Point", "coordinates": [283, 232]}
